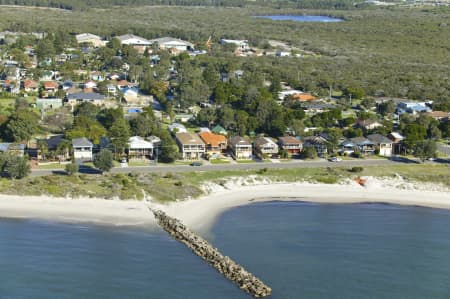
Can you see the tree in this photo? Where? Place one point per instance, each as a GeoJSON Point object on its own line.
{"type": "Point", "coordinates": [414, 133]}
{"type": "Point", "coordinates": [15, 167]}
{"type": "Point", "coordinates": [86, 127]}
{"type": "Point", "coordinates": [169, 150]}
{"type": "Point", "coordinates": [22, 125]}
{"type": "Point", "coordinates": [308, 152]}
{"type": "Point", "coordinates": [43, 148]}
{"type": "Point", "coordinates": [119, 133]}
{"type": "Point", "coordinates": [425, 149]}
{"type": "Point", "coordinates": [104, 160]}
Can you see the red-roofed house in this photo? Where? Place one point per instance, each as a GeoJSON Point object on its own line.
{"type": "Point", "coordinates": [50, 86]}
{"type": "Point", "coordinates": [30, 86]}
{"type": "Point", "coordinates": [215, 144]}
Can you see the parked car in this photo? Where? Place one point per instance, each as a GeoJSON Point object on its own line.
{"type": "Point", "coordinates": [196, 163]}
{"type": "Point", "coordinates": [335, 159]}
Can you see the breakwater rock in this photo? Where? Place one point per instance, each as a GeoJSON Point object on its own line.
{"type": "Point", "coordinates": [230, 269]}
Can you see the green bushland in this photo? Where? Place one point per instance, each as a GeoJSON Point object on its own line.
{"type": "Point", "coordinates": [177, 186]}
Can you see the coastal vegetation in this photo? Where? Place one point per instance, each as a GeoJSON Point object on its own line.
{"type": "Point", "coordinates": [177, 186]}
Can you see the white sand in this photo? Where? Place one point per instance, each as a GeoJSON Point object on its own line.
{"type": "Point", "coordinates": [199, 214]}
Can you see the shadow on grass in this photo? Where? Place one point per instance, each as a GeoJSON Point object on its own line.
{"type": "Point", "coordinates": [404, 160]}
{"type": "Point", "coordinates": [89, 170]}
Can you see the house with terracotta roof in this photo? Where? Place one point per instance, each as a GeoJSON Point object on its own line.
{"type": "Point", "coordinates": [30, 86]}
{"type": "Point", "coordinates": [50, 86]}
{"type": "Point", "coordinates": [304, 97]}
{"type": "Point", "coordinates": [215, 144]}
{"type": "Point", "coordinates": [191, 146]}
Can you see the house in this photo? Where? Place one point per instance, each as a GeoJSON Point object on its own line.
{"type": "Point", "coordinates": [438, 115]}
{"type": "Point", "coordinates": [82, 149]}
{"type": "Point", "coordinates": [291, 144]}
{"type": "Point", "coordinates": [48, 103]}
{"type": "Point", "coordinates": [13, 148]}
{"type": "Point", "coordinates": [264, 146]}
{"type": "Point", "coordinates": [240, 147]}
{"type": "Point", "coordinates": [383, 144]}
{"type": "Point", "coordinates": [317, 142]}
{"type": "Point", "coordinates": [219, 130]}
{"type": "Point", "coordinates": [88, 38]}
{"type": "Point", "coordinates": [177, 128]}
{"type": "Point", "coordinates": [50, 86]}
{"type": "Point", "coordinates": [283, 54]}
{"type": "Point", "coordinates": [67, 85]}
{"type": "Point", "coordinates": [368, 124]}
{"type": "Point", "coordinates": [139, 148]}
{"type": "Point", "coordinates": [30, 86]}
{"type": "Point", "coordinates": [191, 146]}
{"type": "Point", "coordinates": [359, 144]}
{"type": "Point", "coordinates": [412, 107]}
{"type": "Point", "coordinates": [215, 144]}
{"type": "Point", "coordinates": [97, 76]}
{"type": "Point", "coordinates": [303, 97]}
{"type": "Point", "coordinates": [241, 45]}
{"type": "Point", "coordinates": [137, 42]}
{"type": "Point", "coordinates": [397, 142]}
{"type": "Point", "coordinates": [74, 99]}
{"type": "Point", "coordinates": [184, 118]}
{"type": "Point", "coordinates": [166, 43]}
{"type": "Point", "coordinates": [90, 84]}
{"type": "Point", "coordinates": [130, 95]}
{"type": "Point", "coordinates": [316, 106]}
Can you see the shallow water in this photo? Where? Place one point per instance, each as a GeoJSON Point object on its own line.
{"type": "Point", "coordinates": [301, 250]}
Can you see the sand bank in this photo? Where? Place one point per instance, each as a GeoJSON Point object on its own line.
{"type": "Point", "coordinates": [200, 214]}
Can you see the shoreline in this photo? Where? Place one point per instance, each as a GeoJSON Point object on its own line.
{"type": "Point", "coordinates": [200, 214]}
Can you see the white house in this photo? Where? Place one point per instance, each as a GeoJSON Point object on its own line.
{"type": "Point", "coordinates": [172, 43]}
{"type": "Point", "coordinates": [241, 44]}
{"type": "Point", "coordinates": [265, 146]}
{"type": "Point", "coordinates": [82, 149]}
{"type": "Point", "coordinates": [133, 40]}
{"type": "Point", "coordinates": [240, 147]}
{"type": "Point", "coordinates": [139, 148]}
{"type": "Point", "coordinates": [177, 128]}
{"type": "Point", "coordinates": [88, 38]}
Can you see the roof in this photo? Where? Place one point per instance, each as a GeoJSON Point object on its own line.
{"type": "Point", "coordinates": [438, 114]}
{"type": "Point", "coordinates": [397, 135]}
{"type": "Point", "coordinates": [171, 40]}
{"type": "Point", "coordinates": [50, 84]}
{"type": "Point", "coordinates": [360, 140]}
{"type": "Point", "coordinates": [189, 138]}
{"type": "Point", "coordinates": [379, 139]}
{"type": "Point", "coordinates": [82, 37]}
{"type": "Point", "coordinates": [139, 142]}
{"type": "Point", "coordinates": [212, 139]}
{"type": "Point", "coordinates": [30, 84]}
{"type": "Point", "coordinates": [289, 140]}
{"type": "Point", "coordinates": [304, 97]}
{"type": "Point", "coordinates": [85, 96]}
{"type": "Point", "coordinates": [260, 141]}
{"type": "Point", "coordinates": [239, 140]}
{"type": "Point", "coordinates": [177, 126]}
{"type": "Point", "coordinates": [81, 142]}
{"type": "Point", "coordinates": [219, 130]}
{"type": "Point", "coordinates": [315, 140]}
{"type": "Point", "coordinates": [125, 39]}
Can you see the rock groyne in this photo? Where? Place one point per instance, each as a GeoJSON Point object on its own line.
{"type": "Point", "coordinates": [230, 269]}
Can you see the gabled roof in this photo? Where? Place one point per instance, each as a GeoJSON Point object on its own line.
{"type": "Point", "coordinates": [50, 84]}
{"type": "Point", "coordinates": [315, 140]}
{"type": "Point", "coordinates": [30, 84]}
{"type": "Point", "coordinates": [396, 135]}
{"type": "Point", "coordinates": [82, 37]}
{"type": "Point", "coordinates": [289, 140]}
{"type": "Point", "coordinates": [134, 40]}
{"type": "Point", "coordinates": [212, 139]}
{"type": "Point", "coordinates": [219, 130]}
{"type": "Point", "coordinates": [239, 140]}
{"type": "Point", "coordinates": [81, 142]}
{"type": "Point", "coordinates": [189, 138]}
{"type": "Point", "coordinates": [378, 139]}
{"type": "Point", "coordinates": [139, 142]}
{"type": "Point", "coordinates": [177, 126]}
{"type": "Point", "coordinates": [360, 140]}
{"type": "Point", "coordinates": [262, 141]}
{"type": "Point", "coordinates": [171, 40]}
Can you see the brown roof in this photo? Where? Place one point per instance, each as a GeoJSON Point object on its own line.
{"type": "Point", "coordinates": [189, 138]}
{"type": "Point", "coordinates": [288, 140]}
{"type": "Point", "coordinates": [438, 114]}
{"type": "Point", "coordinates": [212, 139]}
{"type": "Point", "coordinates": [30, 84]}
{"type": "Point", "coordinates": [50, 85]}
{"type": "Point", "coordinates": [304, 97]}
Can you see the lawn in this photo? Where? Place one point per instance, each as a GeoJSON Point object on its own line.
{"type": "Point", "coordinates": [219, 161]}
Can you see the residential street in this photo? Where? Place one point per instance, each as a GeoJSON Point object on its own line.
{"type": "Point", "coordinates": [239, 166]}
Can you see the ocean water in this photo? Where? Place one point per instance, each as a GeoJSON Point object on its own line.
{"type": "Point", "coordinates": [302, 250]}
{"type": "Point", "coordinates": [302, 18]}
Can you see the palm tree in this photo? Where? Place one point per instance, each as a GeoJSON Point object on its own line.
{"type": "Point", "coordinates": [42, 149]}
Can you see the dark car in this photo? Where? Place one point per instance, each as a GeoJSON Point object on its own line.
{"type": "Point", "coordinates": [196, 163]}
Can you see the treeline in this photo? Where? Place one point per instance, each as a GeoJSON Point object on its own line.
{"type": "Point", "coordinates": [86, 4]}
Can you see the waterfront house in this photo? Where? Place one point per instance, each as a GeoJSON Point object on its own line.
{"type": "Point", "coordinates": [240, 147]}
{"type": "Point", "coordinates": [82, 149]}
{"type": "Point", "coordinates": [215, 144]}
{"type": "Point", "coordinates": [382, 143]}
{"type": "Point", "coordinates": [291, 144]}
{"type": "Point", "coordinates": [265, 146]}
{"type": "Point", "coordinates": [191, 146]}
{"type": "Point", "coordinates": [139, 148]}
{"type": "Point", "coordinates": [357, 144]}
{"type": "Point", "coordinates": [317, 142]}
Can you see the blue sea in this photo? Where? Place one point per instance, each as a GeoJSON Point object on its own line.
{"type": "Point", "coordinates": [302, 18]}
{"type": "Point", "coordinates": [301, 250]}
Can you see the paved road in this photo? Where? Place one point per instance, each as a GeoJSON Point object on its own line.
{"type": "Point", "coordinates": [239, 166]}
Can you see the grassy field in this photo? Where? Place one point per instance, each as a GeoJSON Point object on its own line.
{"type": "Point", "coordinates": [177, 186]}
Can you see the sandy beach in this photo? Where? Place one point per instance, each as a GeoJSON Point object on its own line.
{"type": "Point", "coordinates": [200, 214]}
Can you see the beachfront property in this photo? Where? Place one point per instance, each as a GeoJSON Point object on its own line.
{"type": "Point", "coordinates": [318, 143]}
{"type": "Point", "coordinates": [215, 144]}
{"type": "Point", "coordinates": [383, 144]}
{"type": "Point", "coordinates": [291, 144]}
{"type": "Point", "coordinates": [265, 146]}
{"type": "Point", "coordinates": [191, 146]}
{"type": "Point", "coordinates": [82, 149]}
{"type": "Point", "coordinates": [357, 144]}
{"type": "Point", "coordinates": [139, 148]}
{"type": "Point", "coordinates": [240, 147]}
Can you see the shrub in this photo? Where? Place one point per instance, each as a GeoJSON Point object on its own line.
{"type": "Point", "coordinates": [71, 168]}
{"type": "Point", "coordinates": [356, 169]}
{"type": "Point", "coordinates": [104, 160]}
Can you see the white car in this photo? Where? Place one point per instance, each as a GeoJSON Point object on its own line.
{"type": "Point", "coordinates": [335, 159]}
